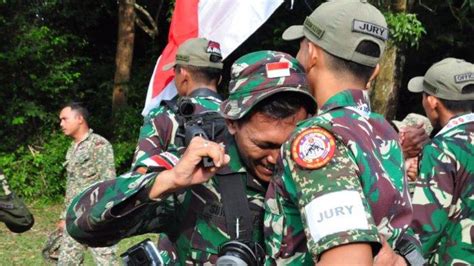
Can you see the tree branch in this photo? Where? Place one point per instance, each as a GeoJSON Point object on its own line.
{"type": "Point", "coordinates": [152, 29]}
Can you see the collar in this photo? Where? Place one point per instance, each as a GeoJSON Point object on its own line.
{"type": "Point", "coordinates": [204, 92]}
{"type": "Point", "coordinates": [236, 166]}
{"type": "Point", "coordinates": [348, 98]}
{"type": "Point", "coordinates": [456, 121]}
{"type": "Point", "coordinates": [85, 137]}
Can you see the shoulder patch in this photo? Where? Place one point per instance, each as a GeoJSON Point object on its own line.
{"type": "Point", "coordinates": [313, 148]}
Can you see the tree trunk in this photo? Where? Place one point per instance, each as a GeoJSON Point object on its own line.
{"type": "Point", "coordinates": [124, 55]}
{"type": "Point", "coordinates": [384, 93]}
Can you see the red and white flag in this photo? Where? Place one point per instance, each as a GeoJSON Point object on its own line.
{"type": "Point", "coordinates": [229, 22]}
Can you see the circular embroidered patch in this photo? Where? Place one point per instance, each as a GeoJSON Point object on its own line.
{"type": "Point", "coordinates": [313, 148]}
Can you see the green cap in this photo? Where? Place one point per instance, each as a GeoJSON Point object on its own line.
{"type": "Point", "coordinates": [339, 26]}
{"type": "Point", "coordinates": [199, 52]}
{"type": "Point", "coordinates": [446, 79]}
{"type": "Point", "coordinates": [258, 75]}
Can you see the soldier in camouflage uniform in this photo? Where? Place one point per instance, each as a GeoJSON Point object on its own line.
{"type": "Point", "coordinates": [197, 69]}
{"type": "Point", "coordinates": [340, 180]}
{"type": "Point", "coordinates": [13, 212]}
{"type": "Point", "coordinates": [443, 202]}
{"type": "Point", "coordinates": [89, 159]}
{"type": "Point", "coordinates": [268, 96]}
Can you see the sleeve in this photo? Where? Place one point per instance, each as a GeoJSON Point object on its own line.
{"type": "Point", "coordinates": [114, 209]}
{"type": "Point", "coordinates": [322, 179]}
{"type": "Point", "coordinates": [104, 158]}
{"type": "Point", "coordinates": [155, 136]}
{"type": "Point", "coordinates": [433, 196]}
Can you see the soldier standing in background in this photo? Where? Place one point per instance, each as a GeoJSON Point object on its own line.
{"type": "Point", "coordinates": [443, 202]}
{"type": "Point", "coordinates": [89, 159]}
{"type": "Point", "coordinates": [13, 212]}
{"type": "Point", "coordinates": [197, 67]}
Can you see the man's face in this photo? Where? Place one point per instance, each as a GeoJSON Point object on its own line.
{"type": "Point", "coordinates": [259, 140]}
{"type": "Point", "coordinates": [69, 121]}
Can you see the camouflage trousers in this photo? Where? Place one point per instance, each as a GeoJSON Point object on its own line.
{"type": "Point", "coordinates": [72, 253]}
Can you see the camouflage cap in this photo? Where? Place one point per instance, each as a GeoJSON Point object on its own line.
{"type": "Point", "coordinates": [446, 79]}
{"type": "Point", "coordinates": [258, 75]}
{"type": "Point", "coordinates": [413, 119]}
{"type": "Point", "coordinates": [199, 52]}
{"type": "Point", "coordinates": [339, 27]}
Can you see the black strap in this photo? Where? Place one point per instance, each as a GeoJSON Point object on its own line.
{"type": "Point", "coordinates": [204, 92]}
{"type": "Point", "coordinates": [236, 206]}
{"type": "Point", "coordinates": [171, 104]}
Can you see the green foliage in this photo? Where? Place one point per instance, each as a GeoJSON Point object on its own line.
{"type": "Point", "coordinates": [405, 29]}
{"type": "Point", "coordinates": [39, 67]}
{"type": "Point", "coordinates": [36, 171]}
{"type": "Point", "coordinates": [127, 125]}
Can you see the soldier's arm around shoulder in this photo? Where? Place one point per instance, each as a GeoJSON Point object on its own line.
{"type": "Point", "coordinates": [103, 155]}
{"type": "Point", "coordinates": [13, 211]}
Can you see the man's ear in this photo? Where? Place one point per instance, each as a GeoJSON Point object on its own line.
{"type": "Point", "coordinates": [433, 102]}
{"type": "Point", "coordinates": [79, 118]}
{"type": "Point", "coordinates": [231, 126]}
{"type": "Point", "coordinates": [184, 73]}
{"type": "Point", "coordinates": [314, 53]}
{"type": "Point", "coordinates": [375, 73]}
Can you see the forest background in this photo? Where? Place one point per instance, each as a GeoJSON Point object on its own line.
{"type": "Point", "coordinates": [53, 52]}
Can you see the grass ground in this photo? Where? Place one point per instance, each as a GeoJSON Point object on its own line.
{"type": "Point", "coordinates": [25, 248]}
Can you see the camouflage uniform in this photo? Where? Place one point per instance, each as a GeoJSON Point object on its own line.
{"type": "Point", "coordinates": [13, 212]}
{"type": "Point", "coordinates": [340, 177]}
{"type": "Point", "coordinates": [355, 195]}
{"type": "Point", "coordinates": [158, 133]}
{"type": "Point", "coordinates": [87, 162]}
{"type": "Point", "coordinates": [192, 218]}
{"type": "Point", "coordinates": [443, 202]}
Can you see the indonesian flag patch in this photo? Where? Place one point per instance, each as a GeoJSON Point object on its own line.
{"type": "Point", "coordinates": [278, 69]}
{"type": "Point", "coordinates": [313, 148]}
{"type": "Point", "coordinates": [214, 48]}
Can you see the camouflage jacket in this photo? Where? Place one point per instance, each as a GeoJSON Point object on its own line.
{"type": "Point", "coordinates": [87, 162]}
{"type": "Point", "coordinates": [160, 126]}
{"type": "Point", "coordinates": [443, 203]}
{"type": "Point", "coordinates": [13, 212]}
{"type": "Point", "coordinates": [340, 179]}
{"type": "Point", "coordinates": [192, 219]}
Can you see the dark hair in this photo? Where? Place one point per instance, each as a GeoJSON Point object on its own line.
{"type": "Point", "coordinates": [79, 108]}
{"type": "Point", "coordinates": [278, 106]}
{"type": "Point", "coordinates": [360, 71]}
{"type": "Point", "coordinates": [202, 74]}
{"type": "Point", "coordinates": [455, 106]}
{"type": "Point", "coordinates": [458, 106]}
